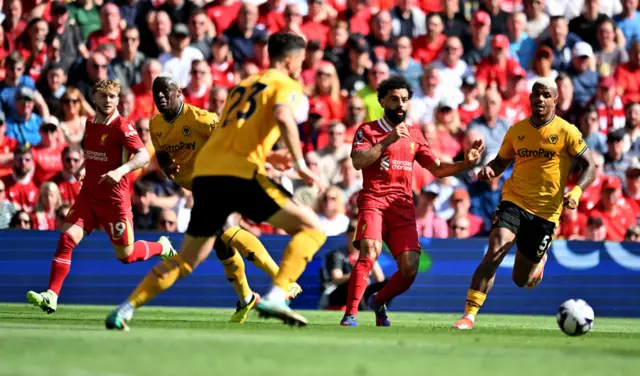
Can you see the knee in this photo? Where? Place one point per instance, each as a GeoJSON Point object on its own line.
{"type": "Point", "coordinates": [409, 271]}
{"type": "Point", "coordinates": [223, 251]}
{"type": "Point", "coordinates": [368, 249]}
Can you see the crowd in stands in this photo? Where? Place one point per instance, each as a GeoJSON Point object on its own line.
{"type": "Point", "coordinates": [472, 64]}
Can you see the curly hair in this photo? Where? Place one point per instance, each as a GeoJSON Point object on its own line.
{"type": "Point", "coordinates": [393, 83]}
{"type": "Point", "coordinates": [107, 86]}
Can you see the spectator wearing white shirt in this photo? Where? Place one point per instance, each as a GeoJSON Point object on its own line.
{"type": "Point", "coordinates": [178, 60]}
{"type": "Point", "coordinates": [537, 19]}
{"type": "Point", "coordinates": [331, 208]}
{"type": "Point", "coordinates": [451, 66]}
{"type": "Point", "coordinates": [421, 109]}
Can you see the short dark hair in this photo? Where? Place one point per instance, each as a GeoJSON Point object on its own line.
{"type": "Point", "coordinates": [392, 83]}
{"type": "Point", "coordinates": [21, 150]}
{"type": "Point", "coordinates": [282, 45]}
{"type": "Point", "coordinates": [73, 148]}
{"type": "Point", "coordinates": [142, 188]}
{"type": "Point", "coordinates": [557, 18]}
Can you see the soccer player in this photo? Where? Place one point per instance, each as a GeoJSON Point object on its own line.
{"type": "Point", "coordinates": [229, 176]}
{"type": "Point", "coordinates": [104, 199]}
{"type": "Point", "coordinates": [542, 148]}
{"type": "Point", "coordinates": [178, 133]}
{"type": "Point", "coordinates": [385, 150]}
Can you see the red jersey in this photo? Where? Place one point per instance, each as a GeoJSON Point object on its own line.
{"type": "Point", "coordinates": [7, 144]}
{"type": "Point", "coordinates": [43, 221]}
{"type": "Point", "coordinates": [318, 31]}
{"type": "Point", "coordinates": [144, 107]}
{"type": "Point", "coordinates": [223, 75]}
{"type": "Point", "coordinates": [39, 61]}
{"type": "Point", "coordinates": [48, 162]}
{"type": "Point", "coordinates": [69, 188]}
{"type": "Point", "coordinates": [491, 73]}
{"type": "Point", "coordinates": [469, 112]}
{"type": "Point", "coordinates": [359, 23]}
{"type": "Point", "coordinates": [223, 16]}
{"type": "Point", "coordinates": [616, 221]}
{"type": "Point", "coordinates": [194, 100]}
{"type": "Point", "coordinates": [424, 51]}
{"type": "Point", "coordinates": [22, 193]}
{"type": "Point", "coordinates": [516, 108]}
{"type": "Point", "coordinates": [107, 147]}
{"type": "Point", "coordinates": [573, 227]}
{"type": "Point", "coordinates": [98, 37]}
{"type": "Point", "coordinates": [388, 180]}
{"type": "Point", "coordinates": [271, 19]}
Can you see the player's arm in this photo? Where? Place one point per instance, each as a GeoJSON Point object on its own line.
{"type": "Point", "coordinates": [440, 169]}
{"type": "Point", "coordinates": [501, 162]}
{"type": "Point", "coordinates": [166, 163]}
{"type": "Point", "coordinates": [363, 153]}
{"type": "Point", "coordinates": [578, 148]}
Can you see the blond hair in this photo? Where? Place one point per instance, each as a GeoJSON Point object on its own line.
{"type": "Point", "coordinates": [107, 86]}
{"type": "Point", "coordinates": [45, 188]}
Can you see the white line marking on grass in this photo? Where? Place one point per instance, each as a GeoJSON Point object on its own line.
{"type": "Point", "coordinates": [45, 371]}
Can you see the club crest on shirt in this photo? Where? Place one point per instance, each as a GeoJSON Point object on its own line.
{"type": "Point", "coordinates": [186, 131]}
{"type": "Point", "coordinates": [103, 139]}
{"type": "Point", "coordinates": [359, 136]}
{"type": "Point", "coordinates": [413, 148]}
{"type": "Point", "coordinates": [553, 138]}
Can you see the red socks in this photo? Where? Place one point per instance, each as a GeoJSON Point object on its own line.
{"type": "Point", "coordinates": [358, 283]}
{"type": "Point", "coordinates": [61, 263]}
{"type": "Point", "coordinates": [142, 250]}
{"type": "Point", "coordinates": [397, 285]}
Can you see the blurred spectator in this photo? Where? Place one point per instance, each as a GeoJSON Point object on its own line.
{"type": "Point", "coordinates": [199, 32]}
{"type": "Point", "coordinates": [23, 124]}
{"type": "Point", "coordinates": [261, 52]}
{"type": "Point", "coordinates": [49, 200]}
{"type": "Point", "coordinates": [127, 66]}
{"type": "Point", "coordinates": [632, 187]}
{"type": "Point", "coordinates": [86, 15]}
{"type": "Point", "coordinates": [20, 188]}
{"type": "Point", "coordinates": [351, 179]}
{"type": "Point", "coordinates": [330, 208]}
{"type": "Point", "coordinates": [178, 61]}
{"type": "Point", "coordinates": [21, 220]}
{"type": "Point", "coordinates": [72, 161]}
{"type": "Point", "coordinates": [145, 216]}
{"type": "Point", "coordinates": [380, 40]}
{"type": "Point", "coordinates": [476, 43]}
{"type": "Point", "coordinates": [168, 221]}
{"type": "Point", "coordinates": [222, 68]}
{"type": "Point", "coordinates": [247, 69]}
{"type": "Point", "coordinates": [537, 19]}
{"type": "Point", "coordinates": [591, 195]}
{"type": "Point", "coordinates": [445, 187]}
{"type": "Point", "coordinates": [32, 45]}
{"type": "Point", "coordinates": [403, 64]}
{"type": "Point", "coordinates": [541, 66]}
{"type": "Point", "coordinates": [585, 25]}
{"type": "Point", "coordinates": [7, 145]}
{"type": "Point", "coordinates": [452, 68]}
{"type": "Point", "coordinates": [329, 156]}
{"type": "Point", "coordinates": [242, 33]}
{"type": "Point", "coordinates": [632, 234]}
{"type": "Point", "coordinates": [358, 15]}
{"type": "Point", "coordinates": [378, 73]}
{"type": "Point", "coordinates": [628, 75]}
{"type": "Point", "coordinates": [154, 39]}
{"type": "Point", "coordinates": [353, 78]}
{"type": "Point", "coordinates": [470, 107]}
{"type": "Point", "coordinates": [573, 224]}
{"type": "Point", "coordinates": [336, 51]}
{"type": "Point", "coordinates": [454, 22]}
{"type": "Point", "coordinates": [459, 228]}
{"type": "Point", "coordinates": [14, 78]}
{"type": "Point", "coordinates": [615, 213]}
{"type": "Point", "coordinates": [72, 43]}
{"type": "Point", "coordinates": [585, 79]}
{"type": "Point", "coordinates": [521, 46]}
{"type": "Point", "coordinates": [567, 108]}
{"type": "Point", "coordinates": [610, 108]}
{"type": "Point", "coordinates": [407, 19]}
{"type": "Point", "coordinates": [485, 197]}
{"type": "Point", "coordinates": [217, 99]}
{"type": "Point", "coordinates": [47, 155]}
{"type": "Point", "coordinates": [616, 161]}
{"type": "Point", "coordinates": [494, 70]}
{"type": "Point", "coordinates": [110, 31]}
{"type": "Point", "coordinates": [515, 103]}
{"type": "Point", "coordinates": [354, 117]}
{"type": "Point", "coordinates": [336, 270]}
{"type": "Point", "coordinates": [292, 20]}
{"type": "Point", "coordinates": [313, 133]}
{"type": "Point", "coordinates": [562, 42]}
{"type": "Point", "coordinates": [178, 10]}
{"type": "Point", "coordinates": [74, 115]}
{"type": "Point", "coordinates": [13, 24]}
{"type": "Point", "coordinates": [428, 223]}
{"type": "Point", "coordinates": [609, 53]}
{"type": "Point", "coordinates": [61, 215]}
{"type": "Point", "coordinates": [310, 65]}
{"type": "Point", "coordinates": [145, 107]}
{"type": "Point", "coordinates": [316, 26]}
{"type": "Point", "coordinates": [632, 130]}
{"type": "Point", "coordinates": [90, 71]}
{"type": "Point", "coordinates": [7, 209]}
{"type": "Point", "coordinates": [629, 21]}
{"type": "Point", "coordinates": [498, 17]}
{"type": "Point", "coordinates": [223, 13]}
{"type": "Point", "coordinates": [427, 47]}
{"type": "Point", "coordinates": [460, 201]}
{"type": "Point", "coordinates": [447, 128]}
{"type": "Point", "coordinates": [142, 127]}
{"type": "Point", "coordinates": [492, 126]}
{"type": "Point", "coordinates": [197, 91]}
{"type": "Point", "coordinates": [303, 193]}
{"type": "Point", "coordinates": [589, 125]}
{"type": "Point", "coordinates": [127, 104]}
{"type": "Point", "coordinates": [596, 230]}
{"type": "Point", "coordinates": [327, 90]}
{"type": "Point", "coordinates": [421, 108]}
{"type": "Point", "coordinates": [271, 15]}
{"type": "Point", "coordinates": [52, 87]}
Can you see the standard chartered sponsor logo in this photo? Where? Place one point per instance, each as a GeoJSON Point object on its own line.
{"type": "Point", "coordinates": [528, 153]}
{"type": "Point", "coordinates": [386, 164]}
{"type": "Point", "coordinates": [96, 155]}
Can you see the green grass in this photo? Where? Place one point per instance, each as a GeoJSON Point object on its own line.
{"type": "Point", "coordinates": [185, 342]}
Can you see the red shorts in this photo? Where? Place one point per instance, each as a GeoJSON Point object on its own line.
{"type": "Point", "coordinates": [114, 219]}
{"type": "Point", "coordinates": [396, 227]}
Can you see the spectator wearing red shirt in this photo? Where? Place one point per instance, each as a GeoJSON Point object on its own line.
{"type": "Point", "coordinates": [223, 13]}
{"type": "Point", "coordinates": [13, 24]}
{"type": "Point", "coordinates": [380, 41]}
{"type": "Point", "coordinates": [628, 76]}
{"type": "Point", "coordinates": [69, 186]}
{"type": "Point", "coordinates": [271, 15]}
{"type": "Point", "coordinates": [427, 47]}
{"type": "Point", "coordinates": [311, 63]}
{"type": "Point", "coordinates": [197, 91]}
{"type": "Point", "coordinates": [494, 69]}
{"type": "Point", "coordinates": [109, 32]}
{"type": "Point", "coordinates": [32, 45]}
{"type": "Point", "coordinates": [632, 187]}
{"type": "Point", "coordinates": [223, 71]}
{"type": "Point", "coordinates": [358, 16]}
{"type": "Point", "coordinates": [261, 52]}
{"type": "Point", "coordinates": [614, 210]}
{"type": "Point", "coordinates": [47, 154]}
{"type": "Point", "coordinates": [327, 90]}
{"type": "Point", "coordinates": [217, 99]}
{"type": "Point", "coordinates": [596, 231]}
{"type": "Point", "coordinates": [515, 102]}
{"type": "Point", "coordinates": [20, 188]}
{"type": "Point", "coordinates": [470, 107]}
{"type": "Point", "coordinates": [7, 146]}
{"type": "Point", "coordinates": [610, 107]}
{"type": "Point", "coordinates": [144, 105]}
{"type": "Point", "coordinates": [461, 203]}
{"type": "Point", "coordinates": [49, 200]}
{"type": "Point", "coordinates": [573, 224]}
{"type": "Point", "coordinates": [313, 132]}
{"type": "Point", "coordinates": [591, 196]}
{"type": "Point", "coordinates": [353, 117]}
{"type": "Point", "coordinates": [315, 26]}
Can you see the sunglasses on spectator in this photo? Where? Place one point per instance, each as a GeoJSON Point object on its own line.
{"type": "Point", "coordinates": [354, 108]}
{"type": "Point", "coordinates": [451, 48]}
{"type": "Point", "coordinates": [142, 130]}
{"type": "Point", "coordinates": [334, 133]}
{"type": "Point", "coordinates": [70, 100]}
{"type": "Point", "coordinates": [25, 221]}
{"type": "Point", "coordinates": [130, 39]}
{"type": "Point", "coordinates": [24, 159]}
{"type": "Point", "coordinates": [99, 66]}
{"type": "Point", "coordinates": [330, 198]}
{"type": "Point", "coordinates": [167, 222]}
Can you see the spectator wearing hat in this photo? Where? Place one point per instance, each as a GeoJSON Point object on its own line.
{"type": "Point", "coordinates": [537, 19]}
{"type": "Point", "coordinates": [493, 70]}
{"type": "Point", "coordinates": [315, 25]}
{"type": "Point", "coordinates": [110, 31]}
{"type": "Point", "coordinates": [521, 46]}
{"type": "Point", "coordinates": [224, 13]}
{"type": "Point", "coordinates": [200, 30]}
{"type": "Point", "coordinates": [270, 15]}
{"type": "Point", "coordinates": [610, 108]}
{"type": "Point", "coordinates": [498, 16]}
{"type": "Point", "coordinates": [7, 146]}
{"type": "Point", "coordinates": [449, 128]}
{"type": "Point", "coordinates": [378, 73]}
{"type": "Point", "coordinates": [584, 78]}
{"type": "Point", "coordinates": [515, 103]}
{"type": "Point", "coordinates": [561, 42]}
{"type": "Point", "coordinates": [629, 21]}
{"type": "Point", "coordinates": [144, 105]}
{"type": "Point", "coordinates": [179, 10]}
{"type": "Point", "coordinates": [470, 107]}
{"type": "Point", "coordinates": [589, 125]}
{"type": "Point", "coordinates": [20, 187]}
{"type": "Point", "coordinates": [616, 161]}
{"type": "Point", "coordinates": [223, 70]}
{"type": "Point", "coordinates": [615, 212]}
{"type": "Point", "coordinates": [454, 22]}
{"type": "Point", "coordinates": [407, 19]}
{"type": "Point", "coordinates": [585, 25]}
{"type": "Point", "coordinates": [610, 52]}
{"type": "Point", "coordinates": [492, 126]}
{"type": "Point", "coordinates": [24, 124]}
{"type": "Point", "coordinates": [429, 225]}
{"type": "Point", "coordinates": [47, 155]}
{"type": "Point", "coordinates": [460, 201]}
{"type": "Point", "coordinates": [628, 75]}
{"type": "Point", "coordinates": [403, 64]}
{"type": "Point", "coordinates": [476, 43]}
{"type": "Point", "coordinates": [632, 186]}
{"type": "Point", "coordinates": [573, 224]}
{"type": "Point", "coordinates": [380, 38]}
{"type": "Point", "coordinates": [422, 107]}
{"type": "Point", "coordinates": [178, 61]}
{"type": "Point", "coordinates": [72, 44]}
{"type": "Point", "coordinates": [86, 15]}
{"type": "Point", "coordinates": [261, 52]}
{"type": "Point", "coordinates": [241, 33]}
{"type": "Point", "coordinates": [450, 64]}
{"type": "Point", "coordinates": [596, 231]}
{"type": "Point", "coordinates": [358, 15]}
{"type": "Point", "coordinates": [196, 93]}
{"type": "Point", "coordinates": [72, 160]}
{"type": "Point", "coordinates": [354, 78]}
{"type": "Point", "coordinates": [632, 130]}
{"type": "Point", "coordinates": [541, 66]}
{"type": "Point", "coordinates": [13, 24]}
{"type": "Point", "coordinates": [326, 89]}
{"type": "Point", "coordinates": [567, 108]}
{"type": "Point", "coordinates": [127, 65]}
{"type": "Point", "coordinates": [426, 48]}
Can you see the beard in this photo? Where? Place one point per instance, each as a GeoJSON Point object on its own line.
{"type": "Point", "coordinates": [394, 117]}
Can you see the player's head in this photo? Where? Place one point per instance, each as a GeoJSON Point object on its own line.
{"type": "Point", "coordinates": [287, 50]}
{"type": "Point", "coordinates": [166, 93]}
{"type": "Point", "coordinates": [394, 94]}
{"type": "Point", "coordinates": [106, 95]}
{"type": "Point", "coordinates": [544, 97]}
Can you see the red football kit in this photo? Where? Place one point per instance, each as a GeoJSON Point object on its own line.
{"type": "Point", "coordinates": [385, 203]}
{"type": "Point", "coordinates": [48, 162]}
{"type": "Point", "coordinates": [69, 188]}
{"type": "Point", "coordinates": [23, 193]}
{"type": "Point", "coordinates": [106, 147]}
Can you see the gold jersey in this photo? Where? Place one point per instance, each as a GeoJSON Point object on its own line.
{"type": "Point", "coordinates": [183, 138]}
{"type": "Point", "coordinates": [542, 160]}
{"type": "Point", "coordinates": [248, 129]}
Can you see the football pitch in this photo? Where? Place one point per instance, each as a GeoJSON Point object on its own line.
{"type": "Point", "coordinates": [186, 341]}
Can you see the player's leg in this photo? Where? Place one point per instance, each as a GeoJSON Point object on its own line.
{"type": "Point", "coordinates": [534, 240]}
{"type": "Point", "coordinates": [118, 226]}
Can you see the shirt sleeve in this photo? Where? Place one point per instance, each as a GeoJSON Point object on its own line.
{"type": "Point", "coordinates": [482, 74]}
{"type": "Point", "coordinates": [207, 122]}
{"type": "Point", "coordinates": [288, 94]}
{"type": "Point", "coordinates": [575, 143]}
{"type": "Point", "coordinates": [424, 155]}
{"type": "Point", "coordinates": [130, 138]}
{"type": "Point", "coordinates": [506, 149]}
{"type": "Point", "coordinates": [362, 140]}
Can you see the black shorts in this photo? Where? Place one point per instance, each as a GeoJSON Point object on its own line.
{"type": "Point", "coordinates": [533, 234]}
{"type": "Point", "coordinates": [216, 197]}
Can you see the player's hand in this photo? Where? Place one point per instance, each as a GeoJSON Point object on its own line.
{"type": "Point", "coordinates": [473, 155]}
{"type": "Point", "coordinates": [486, 173]}
{"type": "Point", "coordinates": [112, 177]}
{"type": "Point", "coordinates": [80, 175]}
{"type": "Point", "coordinates": [172, 170]}
{"type": "Point", "coordinates": [398, 132]}
{"type": "Point", "coordinates": [280, 159]}
{"type": "Point", "coordinates": [309, 178]}
{"type": "Point", "coordinates": [569, 202]}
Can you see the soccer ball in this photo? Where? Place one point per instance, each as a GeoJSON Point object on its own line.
{"type": "Point", "coordinates": [575, 317]}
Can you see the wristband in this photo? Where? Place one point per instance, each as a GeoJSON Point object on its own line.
{"type": "Point", "coordinates": [575, 194]}
{"type": "Point", "coordinates": [300, 164]}
{"type": "Point", "coordinates": [124, 169]}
